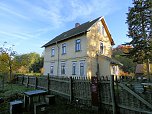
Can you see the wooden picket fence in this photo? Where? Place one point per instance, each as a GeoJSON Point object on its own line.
{"type": "Point", "coordinates": [72, 88]}
{"type": "Point", "coordinates": [115, 95]}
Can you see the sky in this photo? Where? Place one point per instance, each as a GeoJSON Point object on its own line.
{"type": "Point", "coordinates": [29, 24]}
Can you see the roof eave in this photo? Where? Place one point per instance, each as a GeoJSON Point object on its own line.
{"type": "Point", "coordinates": [67, 38]}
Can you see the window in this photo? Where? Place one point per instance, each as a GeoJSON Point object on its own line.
{"type": "Point", "coordinates": [77, 45]}
{"type": "Point", "coordinates": [99, 28]}
{"type": "Point", "coordinates": [114, 70]}
{"type": "Point", "coordinates": [64, 48]}
{"type": "Point", "coordinates": [81, 69]}
{"type": "Point", "coordinates": [62, 68]}
{"type": "Point", "coordinates": [53, 52]}
{"type": "Point", "coordinates": [101, 47]}
{"type": "Point", "coordinates": [103, 31]}
{"type": "Point", "coordinates": [74, 68]}
{"type": "Point", "coordinates": [51, 69]}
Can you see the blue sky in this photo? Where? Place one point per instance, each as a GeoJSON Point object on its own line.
{"type": "Point", "coordinates": [28, 24]}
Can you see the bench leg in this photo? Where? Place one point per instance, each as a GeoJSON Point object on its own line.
{"type": "Point", "coordinates": [30, 102]}
{"type": "Point", "coordinates": [25, 102]}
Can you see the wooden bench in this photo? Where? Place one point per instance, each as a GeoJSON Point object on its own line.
{"type": "Point", "coordinates": [40, 108]}
{"type": "Point", "coordinates": [50, 99]}
{"type": "Point", "coordinates": [16, 107]}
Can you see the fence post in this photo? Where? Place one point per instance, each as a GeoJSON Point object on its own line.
{"type": "Point", "coordinates": [48, 81]}
{"type": "Point", "coordinates": [112, 94]}
{"type": "Point", "coordinates": [71, 89]}
{"type": "Point", "coordinates": [36, 80]}
{"type": "Point", "coordinates": [27, 81]}
{"type": "Point", "coordinates": [22, 80]}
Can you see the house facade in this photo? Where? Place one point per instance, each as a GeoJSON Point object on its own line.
{"type": "Point", "coordinates": [82, 51]}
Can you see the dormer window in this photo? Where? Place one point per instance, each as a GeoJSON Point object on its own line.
{"type": "Point", "coordinates": [52, 51]}
{"type": "Point", "coordinates": [101, 48]}
{"type": "Point", "coordinates": [78, 45]}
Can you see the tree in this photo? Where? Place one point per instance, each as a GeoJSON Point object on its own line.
{"type": "Point", "coordinates": [6, 60]}
{"type": "Point", "coordinates": [30, 62]}
{"type": "Point", "coordinates": [37, 65]}
{"type": "Point", "coordinates": [128, 65]}
{"type": "Point", "coordinates": [139, 20]}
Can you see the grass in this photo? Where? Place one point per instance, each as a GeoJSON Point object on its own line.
{"type": "Point", "coordinates": [11, 92]}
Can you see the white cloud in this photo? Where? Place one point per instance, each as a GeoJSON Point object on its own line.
{"type": "Point", "coordinates": [7, 9]}
{"type": "Point", "coordinates": [59, 12]}
{"type": "Point", "coordinates": [15, 35]}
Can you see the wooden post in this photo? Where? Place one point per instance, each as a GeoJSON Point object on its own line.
{"type": "Point", "coordinates": [36, 80]}
{"type": "Point", "coordinates": [71, 89]}
{"type": "Point", "coordinates": [94, 92]}
{"type": "Point", "coordinates": [16, 81]}
{"type": "Point", "coordinates": [22, 80]}
{"type": "Point", "coordinates": [117, 94]}
{"type": "Point", "coordinates": [48, 80]}
{"type": "Point", "coordinates": [27, 81]}
{"type": "Point", "coordinates": [112, 94]}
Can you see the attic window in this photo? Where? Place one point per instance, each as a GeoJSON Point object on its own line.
{"type": "Point", "coordinates": [103, 30]}
{"type": "Point", "coordinates": [101, 48]}
{"type": "Point", "coordinates": [99, 29]}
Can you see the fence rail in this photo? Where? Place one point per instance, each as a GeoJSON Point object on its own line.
{"type": "Point", "coordinates": [116, 95]}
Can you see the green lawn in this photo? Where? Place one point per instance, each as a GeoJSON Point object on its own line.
{"type": "Point", "coordinates": [11, 92]}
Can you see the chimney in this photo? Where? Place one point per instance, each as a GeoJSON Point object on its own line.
{"type": "Point", "coordinates": [77, 24]}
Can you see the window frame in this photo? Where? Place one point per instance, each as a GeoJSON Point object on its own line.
{"type": "Point", "coordinates": [103, 30]}
{"type": "Point", "coordinates": [63, 71]}
{"type": "Point", "coordinates": [82, 66]}
{"type": "Point", "coordinates": [74, 68]}
{"type": "Point", "coordinates": [101, 52]}
{"type": "Point", "coordinates": [77, 45]}
{"type": "Point", "coordinates": [51, 69]}
{"type": "Point", "coordinates": [63, 48]}
{"type": "Point", "coordinates": [52, 51]}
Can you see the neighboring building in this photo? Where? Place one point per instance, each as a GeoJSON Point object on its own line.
{"type": "Point", "coordinates": [82, 51]}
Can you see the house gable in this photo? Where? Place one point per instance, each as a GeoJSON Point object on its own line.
{"type": "Point", "coordinates": [99, 34]}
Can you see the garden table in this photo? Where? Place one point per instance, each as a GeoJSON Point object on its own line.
{"type": "Point", "coordinates": [28, 97]}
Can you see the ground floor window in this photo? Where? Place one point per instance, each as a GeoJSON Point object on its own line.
{"type": "Point", "coordinates": [74, 68]}
{"type": "Point", "coordinates": [62, 68]}
{"type": "Point", "coordinates": [114, 70]}
{"type": "Point", "coordinates": [51, 69]}
{"type": "Point", "coordinates": [81, 69]}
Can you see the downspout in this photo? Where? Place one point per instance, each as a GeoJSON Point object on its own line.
{"type": "Point", "coordinates": [58, 58]}
{"type": "Point", "coordinates": [97, 73]}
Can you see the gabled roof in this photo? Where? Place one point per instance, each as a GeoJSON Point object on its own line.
{"type": "Point", "coordinates": [81, 29]}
